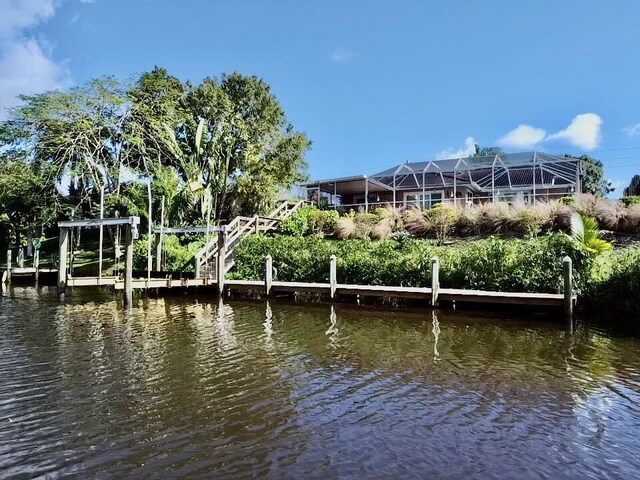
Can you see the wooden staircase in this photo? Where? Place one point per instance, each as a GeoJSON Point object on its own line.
{"type": "Point", "coordinates": [240, 227]}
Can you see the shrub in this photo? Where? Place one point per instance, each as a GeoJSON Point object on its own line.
{"type": "Point", "coordinates": [415, 222]}
{"type": "Point", "coordinates": [309, 220]}
{"type": "Point", "coordinates": [346, 227]}
{"type": "Point", "coordinates": [175, 255]}
{"type": "Point", "coordinates": [608, 214]}
{"type": "Point", "coordinates": [440, 220]}
{"type": "Point", "coordinates": [529, 221]}
{"type": "Point", "coordinates": [631, 220]}
{"type": "Point", "coordinates": [616, 292]}
{"type": "Point", "coordinates": [533, 265]}
{"type": "Point", "coordinates": [631, 200]}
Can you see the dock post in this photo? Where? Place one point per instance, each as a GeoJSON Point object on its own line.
{"type": "Point", "coordinates": [567, 272]}
{"type": "Point", "coordinates": [128, 266]}
{"type": "Point", "coordinates": [222, 253]}
{"type": "Point", "coordinates": [9, 266]}
{"type": "Point", "coordinates": [63, 244]}
{"type": "Point", "coordinates": [435, 280]}
{"type": "Point", "coordinates": [36, 262]}
{"type": "Point", "coordinates": [333, 275]}
{"type": "Point", "coordinates": [159, 239]}
{"type": "Point", "coordinates": [268, 274]}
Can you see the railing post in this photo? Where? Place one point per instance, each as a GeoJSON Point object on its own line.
{"type": "Point", "coordinates": [268, 274]}
{"type": "Point", "coordinates": [567, 272]}
{"type": "Point", "coordinates": [222, 253]}
{"type": "Point", "coordinates": [435, 280]}
{"type": "Point", "coordinates": [257, 220]}
{"type": "Point", "coordinates": [333, 275]}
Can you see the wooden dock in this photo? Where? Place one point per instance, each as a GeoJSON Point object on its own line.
{"type": "Point", "coordinates": [221, 248]}
{"type": "Point", "coordinates": [341, 290]}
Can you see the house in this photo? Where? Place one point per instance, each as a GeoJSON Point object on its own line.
{"type": "Point", "coordinates": [526, 177]}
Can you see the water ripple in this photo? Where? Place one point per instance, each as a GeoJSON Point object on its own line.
{"type": "Point", "coordinates": [195, 388]}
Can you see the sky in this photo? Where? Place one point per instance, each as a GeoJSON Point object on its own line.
{"type": "Point", "coordinates": [373, 83]}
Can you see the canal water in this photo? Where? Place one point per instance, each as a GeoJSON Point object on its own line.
{"type": "Point", "coordinates": [187, 387]}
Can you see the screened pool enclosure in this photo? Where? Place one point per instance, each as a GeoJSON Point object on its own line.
{"type": "Point", "coordinates": [512, 177]}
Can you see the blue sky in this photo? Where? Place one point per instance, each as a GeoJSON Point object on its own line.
{"type": "Point", "coordinates": [373, 83]}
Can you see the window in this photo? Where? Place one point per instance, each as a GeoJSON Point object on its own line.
{"type": "Point", "coordinates": [426, 200]}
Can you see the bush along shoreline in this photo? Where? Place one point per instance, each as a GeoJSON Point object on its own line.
{"type": "Point", "coordinates": [520, 250]}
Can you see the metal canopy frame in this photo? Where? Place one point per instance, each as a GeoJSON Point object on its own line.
{"type": "Point", "coordinates": [532, 171]}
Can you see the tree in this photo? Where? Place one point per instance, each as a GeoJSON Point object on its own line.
{"type": "Point", "coordinates": [28, 201]}
{"type": "Point", "coordinates": [80, 134]}
{"type": "Point", "coordinates": [634, 187]}
{"type": "Point", "coordinates": [228, 139]}
{"type": "Point", "coordinates": [487, 151]}
{"type": "Point", "coordinates": [593, 180]}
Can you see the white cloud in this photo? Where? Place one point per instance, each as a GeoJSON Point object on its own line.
{"type": "Point", "coordinates": [466, 151]}
{"type": "Point", "coordinates": [523, 136]}
{"type": "Point", "coordinates": [583, 131]}
{"type": "Point", "coordinates": [25, 63]}
{"type": "Point", "coordinates": [633, 130]}
{"type": "Point", "coordinates": [343, 55]}
{"type": "Point", "coordinates": [18, 15]}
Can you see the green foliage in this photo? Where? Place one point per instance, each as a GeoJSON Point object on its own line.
{"type": "Point", "coordinates": [309, 220]}
{"type": "Point", "coordinates": [614, 290]}
{"type": "Point", "coordinates": [631, 200]}
{"type": "Point", "coordinates": [440, 220]}
{"type": "Point", "coordinates": [533, 265]}
{"type": "Point", "coordinates": [585, 233]}
{"type": "Point", "coordinates": [593, 180]}
{"type": "Point", "coordinates": [175, 255]}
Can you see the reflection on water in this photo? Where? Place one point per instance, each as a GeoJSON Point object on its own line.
{"type": "Point", "coordinates": [199, 388]}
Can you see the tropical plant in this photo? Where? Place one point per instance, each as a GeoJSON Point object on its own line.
{"type": "Point", "coordinates": [584, 232]}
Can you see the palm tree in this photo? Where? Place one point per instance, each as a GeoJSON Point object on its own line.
{"type": "Point", "coordinates": [585, 232]}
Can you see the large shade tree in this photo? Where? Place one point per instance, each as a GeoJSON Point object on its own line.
{"type": "Point", "coordinates": [228, 140]}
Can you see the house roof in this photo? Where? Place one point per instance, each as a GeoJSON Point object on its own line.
{"type": "Point", "coordinates": [472, 163]}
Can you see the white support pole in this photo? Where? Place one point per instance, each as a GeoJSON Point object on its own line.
{"type": "Point", "coordinates": [567, 272]}
{"type": "Point", "coordinates": [63, 243]}
{"type": "Point", "coordinates": [150, 224]}
{"type": "Point", "coordinates": [493, 184]}
{"type": "Point", "coordinates": [455, 189]}
{"type": "Point", "coordinates": [9, 265]}
{"type": "Point", "coordinates": [268, 274]}
{"type": "Point", "coordinates": [333, 282]}
{"type": "Point", "coordinates": [535, 154]}
{"type": "Point", "coordinates": [159, 246]}
{"type": "Point", "coordinates": [221, 264]}
{"type": "Point", "coordinates": [435, 280]}
{"type": "Point", "coordinates": [128, 266]}
{"type": "Point", "coordinates": [101, 240]}
{"type": "Point", "coordinates": [394, 191]}
{"type": "Point", "coordinates": [366, 195]}
{"type": "Point", "coordinates": [424, 192]}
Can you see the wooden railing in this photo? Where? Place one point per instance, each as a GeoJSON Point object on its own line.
{"type": "Point", "coordinates": [240, 227]}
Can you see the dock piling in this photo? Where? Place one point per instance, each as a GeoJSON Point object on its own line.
{"type": "Point", "coordinates": [9, 266]}
{"type": "Point", "coordinates": [268, 274]}
{"type": "Point", "coordinates": [128, 266]}
{"type": "Point", "coordinates": [221, 263]}
{"type": "Point", "coordinates": [435, 280]}
{"type": "Point", "coordinates": [333, 275]}
{"type": "Point", "coordinates": [63, 244]}
{"type": "Point", "coordinates": [567, 272]}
